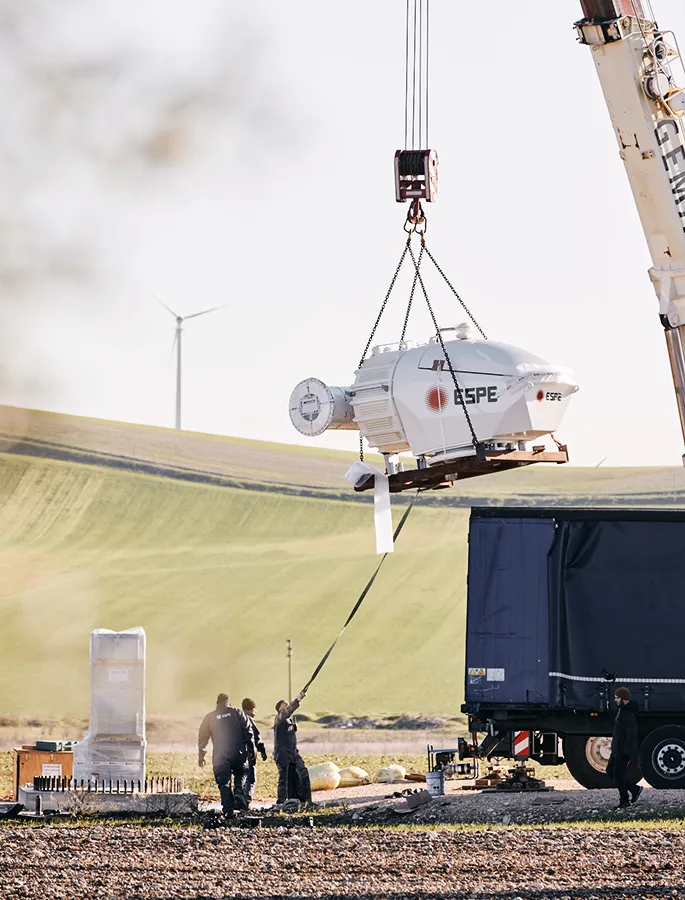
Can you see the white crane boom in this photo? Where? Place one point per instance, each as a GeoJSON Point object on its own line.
{"type": "Point", "coordinates": [635, 62]}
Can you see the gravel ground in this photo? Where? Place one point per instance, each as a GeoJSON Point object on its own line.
{"type": "Point", "coordinates": [165, 863]}
{"type": "Point", "coordinates": [286, 858]}
{"type": "Point", "coordinates": [567, 802]}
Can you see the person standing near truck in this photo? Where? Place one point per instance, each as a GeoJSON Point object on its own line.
{"type": "Point", "coordinates": [624, 745]}
{"type": "Point", "coordinates": [250, 710]}
{"type": "Point", "coordinates": [293, 777]}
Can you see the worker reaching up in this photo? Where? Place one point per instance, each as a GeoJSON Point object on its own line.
{"type": "Point", "coordinates": [233, 746]}
{"type": "Point", "coordinates": [293, 777]}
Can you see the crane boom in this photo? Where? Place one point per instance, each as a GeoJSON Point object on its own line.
{"type": "Point", "coordinates": [635, 63]}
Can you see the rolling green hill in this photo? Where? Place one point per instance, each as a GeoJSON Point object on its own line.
{"type": "Point", "coordinates": [311, 471]}
{"type": "Point", "coordinates": [105, 524]}
{"type": "Point", "coordinates": [220, 578]}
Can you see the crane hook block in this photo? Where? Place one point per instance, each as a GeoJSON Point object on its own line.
{"type": "Point", "coordinates": [416, 175]}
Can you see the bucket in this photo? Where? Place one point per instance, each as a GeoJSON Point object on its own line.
{"type": "Point", "coordinates": [435, 783]}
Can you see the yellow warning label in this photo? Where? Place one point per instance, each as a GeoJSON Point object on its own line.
{"type": "Point", "coordinates": [477, 672]}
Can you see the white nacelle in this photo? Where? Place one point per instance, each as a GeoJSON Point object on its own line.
{"type": "Point", "coordinates": [404, 398]}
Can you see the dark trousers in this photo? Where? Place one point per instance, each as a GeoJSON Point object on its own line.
{"type": "Point", "coordinates": [232, 797]}
{"type": "Point", "coordinates": [620, 776]}
{"type": "Point", "coordinates": [293, 780]}
{"type": "Point", "coordinates": [250, 780]}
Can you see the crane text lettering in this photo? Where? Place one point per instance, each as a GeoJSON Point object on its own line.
{"type": "Point", "coordinates": [669, 138]}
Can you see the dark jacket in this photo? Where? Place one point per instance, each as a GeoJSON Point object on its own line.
{"type": "Point", "coordinates": [624, 741]}
{"type": "Point", "coordinates": [285, 735]}
{"type": "Point", "coordinates": [231, 735]}
{"type": "Point", "coordinates": [259, 743]}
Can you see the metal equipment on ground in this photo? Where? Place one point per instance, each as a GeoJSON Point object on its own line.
{"type": "Point", "coordinates": [29, 763]}
{"type": "Point", "coordinates": [448, 762]}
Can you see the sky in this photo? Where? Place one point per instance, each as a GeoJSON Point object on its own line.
{"type": "Point", "coordinates": [209, 153]}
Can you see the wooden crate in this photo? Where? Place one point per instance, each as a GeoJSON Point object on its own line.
{"type": "Point", "coordinates": [29, 763]}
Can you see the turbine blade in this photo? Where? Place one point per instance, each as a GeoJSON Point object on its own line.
{"type": "Point", "coordinates": [205, 311]}
{"type": "Point", "coordinates": [175, 315]}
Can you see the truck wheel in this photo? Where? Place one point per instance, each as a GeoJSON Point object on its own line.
{"type": "Point", "coordinates": [587, 758]}
{"type": "Point", "coordinates": [662, 757]}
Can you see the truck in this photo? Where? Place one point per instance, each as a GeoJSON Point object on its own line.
{"type": "Point", "coordinates": [563, 605]}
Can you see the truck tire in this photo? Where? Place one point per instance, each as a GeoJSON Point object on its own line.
{"type": "Point", "coordinates": [587, 758]}
{"type": "Point", "coordinates": [662, 757]}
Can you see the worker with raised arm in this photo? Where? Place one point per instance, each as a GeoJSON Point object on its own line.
{"type": "Point", "coordinates": [250, 710]}
{"type": "Point", "coordinates": [293, 777]}
{"type": "Point", "coordinates": [233, 745]}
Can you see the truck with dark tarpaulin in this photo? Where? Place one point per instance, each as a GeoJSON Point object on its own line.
{"type": "Point", "coordinates": [563, 606]}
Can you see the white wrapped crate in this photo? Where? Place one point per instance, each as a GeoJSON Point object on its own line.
{"type": "Point", "coordinates": [114, 747]}
{"type": "Point", "coordinates": [117, 683]}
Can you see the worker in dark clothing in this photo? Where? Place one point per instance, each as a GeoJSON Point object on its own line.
{"type": "Point", "coordinates": [624, 745]}
{"type": "Point", "coordinates": [232, 746]}
{"type": "Point", "coordinates": [293, 777]}
{"type": "Point", "coordinates": [250, 710]}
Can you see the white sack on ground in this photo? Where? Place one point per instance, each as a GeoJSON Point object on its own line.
{"type": "Point", "coordinates": [352, 776]}
{"type": "Point", "coordinates": [324, 776]}
{"type": "Point", "coordinates": [389, 774]}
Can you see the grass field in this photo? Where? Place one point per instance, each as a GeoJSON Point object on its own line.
{"type": "Point", "coordinates": [274, 465]}
{"type": "Point", "coordinates": [221, 577]}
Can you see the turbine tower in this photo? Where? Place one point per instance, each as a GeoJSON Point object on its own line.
{"type": "Point", "coordinates": [177, 344]}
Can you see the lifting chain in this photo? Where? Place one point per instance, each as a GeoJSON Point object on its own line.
{"type": "Point", "coordinates": [377, 323]}
{"type": "Point", "coordinates": [417, 223]}
{"type": "Point", "coordinates": [454, 291]}
{"type": "Point", "coordinates": [457, 388]}
{"type": "Point", "coordinates": [385, 302]}
{"type": "Point", "coordinates": [413, 290]}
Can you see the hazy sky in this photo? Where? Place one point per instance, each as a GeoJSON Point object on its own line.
{"type": "Point", "coordinates": [275, 195]}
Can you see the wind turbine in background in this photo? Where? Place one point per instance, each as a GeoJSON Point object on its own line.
{"type": "Point", "coordinates": [177, 344]}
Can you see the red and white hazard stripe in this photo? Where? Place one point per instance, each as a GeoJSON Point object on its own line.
{"type": "Point", "coordinates": [521, 744]}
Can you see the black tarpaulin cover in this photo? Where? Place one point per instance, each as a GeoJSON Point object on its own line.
{"type": "Point", "coordinates": [617, 605]}
{"type": "Point", "coordinates": [507, 630]}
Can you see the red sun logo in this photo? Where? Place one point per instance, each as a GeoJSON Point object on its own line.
{"type": "Point", "coordinates": [436, 399]}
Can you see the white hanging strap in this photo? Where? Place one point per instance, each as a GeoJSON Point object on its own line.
{"type": "Point", "coordinates": [382, 513]}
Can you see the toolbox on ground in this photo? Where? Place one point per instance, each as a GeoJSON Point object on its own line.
{"type": "Point", "coordinates": [30, 762]}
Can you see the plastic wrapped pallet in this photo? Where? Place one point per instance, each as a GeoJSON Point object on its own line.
{"type": "Point", "coordinates": [353, 776]}
{"type": "Point", "coordinates": [114, 746]}
{"type": "Point", "coordinates": [389, 774]}
{"type": "Point", "coordinates": [324, 776]}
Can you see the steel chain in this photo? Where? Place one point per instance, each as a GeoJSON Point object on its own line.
{"type": "Point", "coordinates": [377, 323]}
{"type": "Point", "coordinates": [417, 223]}
{"type": "Point", "coordinates": [460, 395]}
{"type": "Point", "coordinates": [385, 302]}
{"type": "Point", "coordinates": [411, 295]}
{"type": "Point", "coordinates": [449, 285]}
